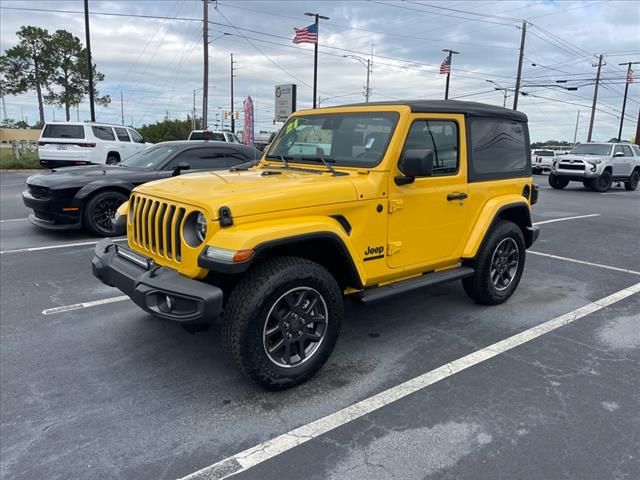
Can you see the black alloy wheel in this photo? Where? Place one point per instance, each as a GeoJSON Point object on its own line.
{"type": "Point", "coordinates": [296, 327]}
{"type": "Point", "coordinates": [282, 321]}
{"type": "Point", "coordinates": [504, 263]}
{"type": "Point", "coordinates": [100, 211]}
{"type": "Point", "coordinates": [603, 182]}
{"type": "Point", "coordinates": [632, 183]}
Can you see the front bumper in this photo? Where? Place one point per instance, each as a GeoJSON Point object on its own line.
{"type": "Point", "coordinates": [48, 213]}
{"type": "Point", "coordinates": [150, 285]}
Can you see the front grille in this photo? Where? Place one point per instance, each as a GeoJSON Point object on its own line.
{"type": "Point", "coordinates": [39, 192]}
{"type": "Point", "coordinates": [572, 166]}
{"type": "Point", "coordinates": [157, 226]}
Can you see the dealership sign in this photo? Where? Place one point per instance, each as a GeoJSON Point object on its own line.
{"type": "Point", "coordinates": [285, 101]}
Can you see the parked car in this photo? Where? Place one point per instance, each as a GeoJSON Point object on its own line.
{"type": "Point", "coordinates": [394, 197]}
{"type": "Point", "coordinates": [213, 135]}
{"type": "Point", "coordinates": [88, 196]}
{"type": "Point", "coordinates": [597, 166]}
{"type": "Point", "coordinates": [64, 144]}
{"type": "Point", "coordinates": [542, 161]}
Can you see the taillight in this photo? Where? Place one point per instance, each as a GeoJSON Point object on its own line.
{"type": "Point", "coordinates": [40, 144]}
{"type": "Point", "coordinates": [86, 145]}
{"type": "Point", "coordinates": [534, 193]}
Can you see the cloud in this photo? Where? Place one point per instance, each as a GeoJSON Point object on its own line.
{"type": "Point", "coordinates": [157, 63]}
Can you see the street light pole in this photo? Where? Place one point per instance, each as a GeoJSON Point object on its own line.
{"type": "Point", "coordinates": [89, 61]}
{"type": "Point", "coordinates": [205, 77]}
{"type": "Point", "coordinates": [317, 16]}
{"type": "Point", "coordinates": [367, 63]}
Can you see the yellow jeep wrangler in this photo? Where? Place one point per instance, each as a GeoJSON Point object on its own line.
{"type": "Point", "coordinates": [362, 201]}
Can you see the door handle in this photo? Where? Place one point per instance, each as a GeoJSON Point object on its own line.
{"type": "Point", "coordinates": [456, 196]}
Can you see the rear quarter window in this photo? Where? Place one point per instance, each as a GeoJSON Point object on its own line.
{"type": "Point", "coordinates": [103, 133]}
{"type": "Point", "coordinates": [499, 149]}
{"type": "Point", "coordinates": [63, 131]}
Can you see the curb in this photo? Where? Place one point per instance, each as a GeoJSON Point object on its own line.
{"type": "Point", "coordinates": [22, 170]}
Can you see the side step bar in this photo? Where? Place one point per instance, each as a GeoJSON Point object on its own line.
{"type": "Point", "coordinates": [379, 293]}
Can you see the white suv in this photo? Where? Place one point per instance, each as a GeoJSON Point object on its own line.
{"type": "Point", "coordinates": [213, 135]}
{"type": "Point", "coordinates": [542, 160]}
{"type": "Point", "coordinates": [76, 143]}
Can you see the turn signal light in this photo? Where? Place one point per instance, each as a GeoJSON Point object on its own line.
{"type": "Point", "coordinates": [242, 256]}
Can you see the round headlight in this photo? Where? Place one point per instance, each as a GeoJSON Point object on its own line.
{"type": "Point", "coordinates": [201, 227]}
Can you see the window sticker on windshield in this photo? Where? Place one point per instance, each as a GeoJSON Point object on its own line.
{"type": "Point", "coordinates": [370, 142]}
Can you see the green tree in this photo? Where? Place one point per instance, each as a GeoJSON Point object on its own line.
{"type": "Point", "coordinates": [71, 73]}
{"type": "Point", "coordinates": [168, 130]}
{"type": "Point", "coordinates": [27, 66]}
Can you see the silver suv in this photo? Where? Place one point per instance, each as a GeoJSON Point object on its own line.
{"type": "Point", "coordinates": [597, 166]}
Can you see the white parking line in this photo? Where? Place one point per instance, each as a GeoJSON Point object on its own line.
{"type": "Point", "coordinates": [79, 306]}
{"type": "Point", "coordinates": [264, 451]}
{"type": "Point", "coordinates": [60, 245]}
{"type": "Point", "coordinates": [582, 262]}
{"type": "Point", "coordinates": [553, 220]}
{"type": "Point", "coordinates": [14, 220]}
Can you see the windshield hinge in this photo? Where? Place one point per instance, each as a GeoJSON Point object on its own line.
{"type": "Point", "coordinates": [395, 205]}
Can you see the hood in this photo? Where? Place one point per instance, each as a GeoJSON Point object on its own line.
{"type": "Point", "coordinates": [69, 177]}
{"type": "Point", "coordinates": [586, 158]}
{"type": "Point", "coordinates": [251, 192]}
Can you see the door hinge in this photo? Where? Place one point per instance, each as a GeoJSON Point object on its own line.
{"type": "Point", "coordinates": [395, 205]}
{"type": "Point", "coordinates": [393, 248]}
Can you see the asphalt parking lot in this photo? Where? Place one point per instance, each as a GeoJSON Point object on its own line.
{"type": "Point", "coordinates": [545, 386]}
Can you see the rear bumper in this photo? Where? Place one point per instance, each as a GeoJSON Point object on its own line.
{"type": "Point", "coordinates": [63, 163]}
{"type": "Point", "coordinates": [149, 285]}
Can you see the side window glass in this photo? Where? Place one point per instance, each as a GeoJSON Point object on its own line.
{"type": "Point", "coordinates": [201, 159]}
{"type": "Point", "coordinates": [636, 150]}
{"type": "Point", "coordinates": [498, 148]}
{"type": "Point", "coordinates": [122, 134]}
{"type": "Point", "coordinates": [617, 149]}
{"type": "Point", "coordinates": [135, 136]}
{"type": "Point", "coordinates": [439, 136]}
{"type": "Point", "coordinates": [103, 133]}
{"type": "Point", "coordinates": [627, 151]}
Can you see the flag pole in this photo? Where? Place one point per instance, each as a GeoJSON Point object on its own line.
{"type": "Point", "coordinates": [315, 55]}
{"type": "Point", "coordinates": [451, 52]}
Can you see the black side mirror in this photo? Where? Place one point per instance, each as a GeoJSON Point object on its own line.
{"type": "Point", "coordinates": [179, 168]}
{"type": "Point", "coordinates": [415, 163]}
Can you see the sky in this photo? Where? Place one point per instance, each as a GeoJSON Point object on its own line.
{"type": "Point", "coordinates": [157, 63]}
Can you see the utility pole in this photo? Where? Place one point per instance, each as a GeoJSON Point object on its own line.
{"type": "Point", "coordinates": [193, 117]}
{"type": "Point", "coordinates": [575, 133]}
{"type": "Point", "coordinates": [626, 90]}
{"type": "Point", "coordinates": [233, 120]}
{"type": "Point", "coordinates": [77, 113]}
{"type": "Point", "coordinates": [638, 128]}
{"type": "Point", "coordinates": [446, 89]}
{"type": "Point", "coordinates": [595, 97]}
{"type": "Point", "coordinates": [122, 107]}
{"type": "Point", "coordinates": [205, 78]}
{"type": "Point", "coordinates": [315, 55]}
{"type": "Point", "coordinates": [367, 91]}
{"type": "Point", "coordinates": [520, 59]}
{"type": "Point", "coordinates": [89, 62]}
{"type": "Point", "coordinates": [4, 108]}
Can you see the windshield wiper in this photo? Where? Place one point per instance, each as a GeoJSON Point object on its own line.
{"type": "Point", "coordinates": [285, 159]}
{"type": "Point", "coordinates": [325, 161]}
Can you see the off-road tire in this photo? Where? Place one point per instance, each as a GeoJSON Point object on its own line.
{"type": "Point", "coordinates": [586, 184]}
{"type": "Point", "coordinates": [536, 171]}
{"type": "Point", "coordinates": [480, 286]}
{"type": "Point", "coordinates": [558, 182]}
{"type": "Point", "coordinates": [98, 201]}
{"type": "Point", "coordinates": [113, 160]}
{"type": "Point", "coordinates": [632, 183]}
{"type": "Point", "coordinates": [603, 182]}
{"type": "Point", "coordinates": [248, 309]}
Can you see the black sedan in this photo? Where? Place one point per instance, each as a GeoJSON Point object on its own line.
{"type": "Point", "coordinates": [88, 196]}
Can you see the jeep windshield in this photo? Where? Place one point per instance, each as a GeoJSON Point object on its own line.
{"type": "Point", "coordinates": [343, 139]}
{"type": "Point", "coordinates": [591, 149]}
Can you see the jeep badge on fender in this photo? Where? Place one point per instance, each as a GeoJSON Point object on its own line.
{"type": "Point", "coordinates": [429, 191]}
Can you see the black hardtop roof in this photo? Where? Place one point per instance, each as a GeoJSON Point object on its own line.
{"type": "Point", "coordinates": [472, 109]}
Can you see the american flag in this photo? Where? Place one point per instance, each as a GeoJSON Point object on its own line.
{"type": "Point", "coordinates": [630, 76]}
{"type": "Point", "coordinates": [445, 66]}
{"type": "Point", "coordinates": [307, 34]}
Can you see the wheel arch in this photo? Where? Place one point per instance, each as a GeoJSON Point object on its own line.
{"type": "Point", "coordinates": [114, 153]}
{"type": "Point", "coordinates": [92, 189]}
{"type": "Point", "coordinates": [514, 209]}
{"type": "Point", "coordinates": [319, 239]}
